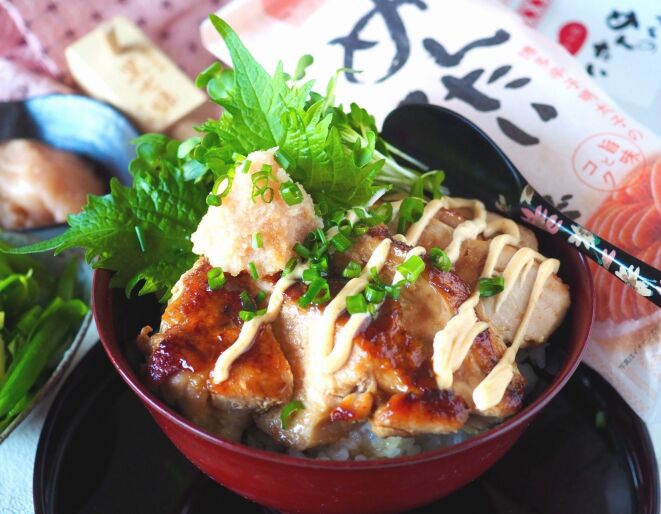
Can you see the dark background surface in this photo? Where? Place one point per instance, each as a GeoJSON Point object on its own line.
{"type": "Point", "coordinates": [100, 452]}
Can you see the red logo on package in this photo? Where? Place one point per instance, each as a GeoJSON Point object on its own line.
{"type": "Point", "coordinates": [572, 36]}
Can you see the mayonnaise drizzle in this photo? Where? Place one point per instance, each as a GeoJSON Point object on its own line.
{"type": "Point", "coordinates": [502, 226]}
{"type": "Point", "coordinates": [490, 391]}
{"type": "Point", "coordinates": [336, 355]}
{"type": "Point", "coordinates": [249, 329]}
{"type": "Point", "coordinates": [416, 229]}
{"type": "Point", "coordinates": [468, 229]}
{"type": "Point", "coordinates": [342, 349]}
{"type": "Point", "coordinates": [453, 341]}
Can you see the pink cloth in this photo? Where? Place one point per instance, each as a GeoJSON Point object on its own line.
{"type": "Point", "coordinates": [34, 34]}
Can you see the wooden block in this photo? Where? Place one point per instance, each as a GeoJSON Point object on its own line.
{"type": "Point", "coordinates": [118, 63]}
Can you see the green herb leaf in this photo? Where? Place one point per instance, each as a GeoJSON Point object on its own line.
{"type": "Point", "coordinates": [263, 111]}
{"type": "Point", "coordinates": [303, 63]}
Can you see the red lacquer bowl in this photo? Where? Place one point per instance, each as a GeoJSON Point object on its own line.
{"type": "Point", "coordinates": [298, 485]}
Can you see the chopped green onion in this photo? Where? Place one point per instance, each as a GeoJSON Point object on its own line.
{"type": "Point", "coordinates": [224, 181]}
{"type": "Point", "coordinates": [236, 156]}
{"type": "Point", "coordinates": [216, 278]}
{"type": "Point", "coordinates": [383, 213]}
{"type": "Point", "coordinates": [302, 250]}
{"type": "Point", "coordinates": [320, 236]}
{"type": "Point", "coordinates": [341, 242]}
{"type": "Point", "coordinates": [320, 263]}
{"type": "Point", "coordinates": [393, 291]}
{"type": "Point", "coordinates": [246, 301]}
{"type": "Point", "coordinates": [259, 297]}
{"type": "Point", "coordinates": [440, 259]}
{"type": "Point", "coordinates": [356, 304]}
{"type": "Point", "coordinates": [352, 270]}
{"type": "Point", "coordinates": [410, 211]}
{"type": "Point", "coordinates": [141, 238]}
{"type": "Point", "coordinates": [374, 294]}
{"type": "Point", "coordinates": [411, 268]}
{"type": "Point", "coordinates": [257, 241]}
{"type": "Point", "coordinates": [318, 292]}
{"type": "Point", "coordinates": [288, 410]}
{"type": "Point", "coordinates": [282, 160]}
{"type": "Point", "coordinates": [491, 286]}
{"type": "Point", "coordinates": [253, 270]}
{"type": "Point", "coordinates": [260, 184]}
{"type": "Point", "coordinates": [2, 320]}
{"type": "Point", "coordinates": [214, 200]}
{"type": "Point", "coordinates": [248, 315]}
{"type": "Point", "coordinates": [359, 228]}
{"type": "Point", "coordinates": [310, 275]}
{"type": "Point", "coordinates": [289, 267]}
{"type": "Point", "coordinates": [245, 168]}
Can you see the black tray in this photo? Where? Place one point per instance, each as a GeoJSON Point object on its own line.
{"type": "Point", "coordinates": [100, 452]}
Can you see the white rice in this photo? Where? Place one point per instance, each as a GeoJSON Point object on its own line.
{"type": "Point", "coordinates": [362, 444]}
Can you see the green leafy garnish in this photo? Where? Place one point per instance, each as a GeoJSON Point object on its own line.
{"type": "Point", "coordinates": [491, 286]}
{"type": "Point", "coordinates": [264, 111]}
{"type": "Point", "coordinates": [39, 316]}
{"type": "Point", "coordinates": [216, 278]}
{"type": "Point", "coordinates": [440, 259]}
{"type": "Point", "coordinates": [411, 268]}
{"type": "Point", "coordinates": [288, 410]}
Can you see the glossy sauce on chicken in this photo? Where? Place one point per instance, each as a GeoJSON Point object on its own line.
{"type": "Point", "coordinates": [452, 343]}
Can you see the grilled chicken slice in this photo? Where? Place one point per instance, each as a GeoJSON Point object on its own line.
{"type": "Point", "coordinates": [197, 325]}
{"type": "Point", "coordinates": [484, 354]}
{"type": "Point", "coordinates": [552, 305]}
{"type": "Point", "coordinates": [388, 379]}
{"type": "Point", "coordinates": [388, 370]}
{"type": "Point", "coordinates": [333, 402]}
{"type": "Point", "coordinates": [438, 232]}
{"type": "Point", "coordinates": [426, 307]}
{"type": "Point", "coordinates": [548, 313]}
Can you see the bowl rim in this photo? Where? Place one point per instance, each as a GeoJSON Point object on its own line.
{"type": "Point", "coordinates": [103, 319]}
